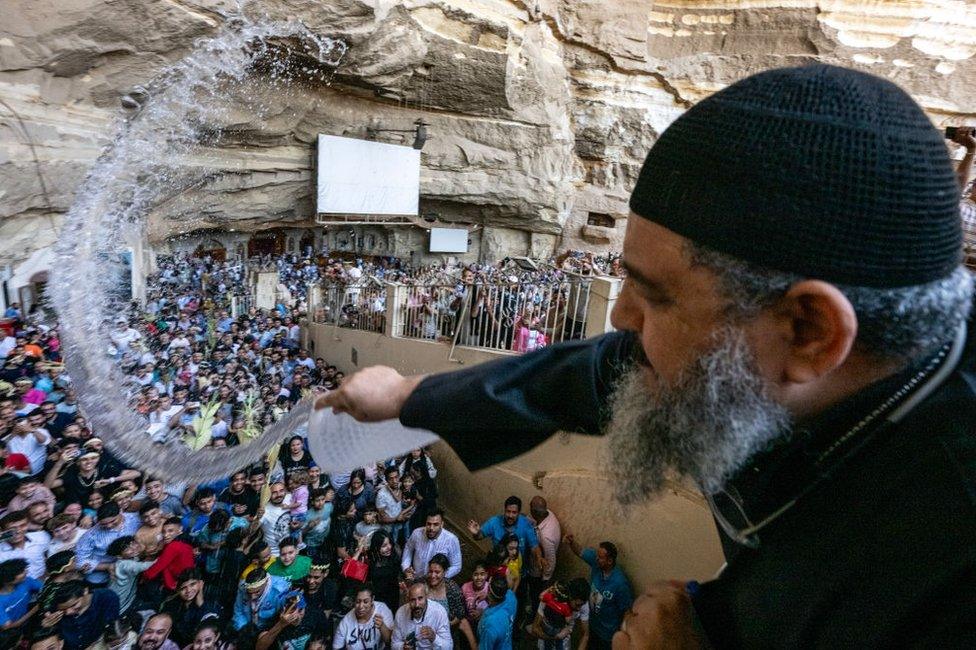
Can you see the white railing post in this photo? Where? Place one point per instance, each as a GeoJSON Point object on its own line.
{"type": "Point", "coordinates": [314, 302]}
{"type": "Point", "coordinates": [603, 295]}
{"type": "Point", "coordinates": [395, 299]}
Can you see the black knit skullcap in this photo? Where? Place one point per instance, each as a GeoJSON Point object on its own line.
{"type": "Point", "coordinates": [821, 171]}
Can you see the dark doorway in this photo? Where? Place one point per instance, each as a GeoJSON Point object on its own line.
{"type": "Point", "coordinates": [267, 242]}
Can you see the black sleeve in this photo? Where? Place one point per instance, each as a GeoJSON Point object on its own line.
{"type": "Point", "coordinates": [501, 409]}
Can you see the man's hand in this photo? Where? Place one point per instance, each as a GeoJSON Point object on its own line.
{"type": "Point", "coordinates": [427, 632]}
{"type": "Point", "coordinates": [50, 619]}
{"type": "Point", "coordinates": [371, 395]}
{"type": "Point", "coordinates": [544, 564]}
{"type": "Point", "coordinates": [966, 136]}
{"type": "Point", "coordinates": [409, 573]}
{"type": "Point", "coordinates": [474, 527]}
{"type": "Point", "coordinates": [661, 618]}
{"type": "Point", "coordinates": [291, 615]}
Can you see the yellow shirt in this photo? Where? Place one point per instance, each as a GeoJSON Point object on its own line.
{"type": "Point", "coordinates": [515, 568]}
{"type": "Point", "coordinates": [252, 566]}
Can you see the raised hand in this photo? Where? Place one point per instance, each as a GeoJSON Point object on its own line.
{"type": "Point", "coordinates": [371, 395]}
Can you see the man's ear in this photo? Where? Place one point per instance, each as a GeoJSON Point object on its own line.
{"type": "Point", "coordinates": [822, 327]}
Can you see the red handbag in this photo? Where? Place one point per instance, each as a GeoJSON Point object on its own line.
{"type": "Point", "coordinates": [355, 570]}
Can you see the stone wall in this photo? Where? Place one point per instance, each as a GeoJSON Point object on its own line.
{"type": "Point", "coordinates": [540, 111]}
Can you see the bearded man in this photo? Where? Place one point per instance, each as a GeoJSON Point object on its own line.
{"type": "Point", "coordinates": [793, 338]}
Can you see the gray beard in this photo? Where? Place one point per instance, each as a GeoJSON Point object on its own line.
{"type": "Point", "coordinates": [705, 427]}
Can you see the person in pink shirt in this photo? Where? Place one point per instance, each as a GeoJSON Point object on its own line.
{"type": "Point", "coordinates": [297, 483]}
{"type": "Point", "coordinates": [475, 593]}
{"type": "Point", "coordinates": [29, 394]}
{"type": "Point", "coordinates": [528, 336]}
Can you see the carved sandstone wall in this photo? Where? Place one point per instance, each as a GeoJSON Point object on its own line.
{"type": "Point", "coordinates": [541, 110]}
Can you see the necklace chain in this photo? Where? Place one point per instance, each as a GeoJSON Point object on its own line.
{"type": "Point", "coordinates": [885, 406]}
{"type": "Point", "coordinates": [81, 479]}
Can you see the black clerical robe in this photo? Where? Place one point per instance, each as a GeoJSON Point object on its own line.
{"type": "Point", "coordinates": [880, 552]}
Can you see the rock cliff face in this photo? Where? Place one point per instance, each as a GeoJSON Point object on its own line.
{"type": "Point", "coordinates": [540, 111]}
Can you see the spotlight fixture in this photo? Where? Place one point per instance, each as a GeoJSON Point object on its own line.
{"type": "Point", "coordinates": [419, 131]}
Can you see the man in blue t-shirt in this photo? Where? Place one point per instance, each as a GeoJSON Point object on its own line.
{"type": "Point", "coordinates": [495, 626]}
{"type": "Point", "coordinates": [512, 521]}
{"type": "Point", "coordinates": [17, 592]}
{"type": "Point", "coordinates": [610, 593]}
{"type": "Point", "coordinates": [81, 613]}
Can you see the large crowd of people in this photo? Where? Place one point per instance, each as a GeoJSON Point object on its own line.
{"type": "Point", "coordinates": [97, 554]}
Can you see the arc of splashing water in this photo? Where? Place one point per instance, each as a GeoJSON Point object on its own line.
{"type": "Point", "coordinates": [115, 199]}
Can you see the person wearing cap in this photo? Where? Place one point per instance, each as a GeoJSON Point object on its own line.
{"type": "Point", "coordinates": [18, 465]}
{"type": "Point", "coordinates": [793, 337]}
{"type": "Point", "coordinates": [110, 469]}
{"type": "Point", "coordinates": [77, 482]}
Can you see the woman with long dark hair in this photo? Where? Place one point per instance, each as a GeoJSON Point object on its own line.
{"type": "Point", "coordinates": [359, 491]}
{"type": "Point", "coordinates": [384, 569]}
{"type": "Point", "coordinates": [343, 528]}
{"type": "Point", "coordinates": [293, 455]}
{"type": "Point", "coordinates": [233, 560]}
{"type": "Point", "coordinates": [444, 591]}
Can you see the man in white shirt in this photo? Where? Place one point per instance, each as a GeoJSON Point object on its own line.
{"type": "Point", "coordinates": [18, 543]}
{"type": "Point", "coordinates": [123, 336]}
{"type": "Point", "coordinates": [179, 342]}
{"type": "Point", "coordinates": [389, 503]}
{"type": "Point", "coordinates": [424, 543]}
{"type": "Point", "coordinates": [421, 623]}
{"type": "Point", "coordinates": [276, 517]}
{"type": "Point", "coordinates": [29, 441]}
{"type": "Point", "coordinates": [305, 360]}
{"type": "Point", "coordinates": [6, 345]}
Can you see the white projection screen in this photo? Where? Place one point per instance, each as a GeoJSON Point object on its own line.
{"type": "Point", "coordinates": [448, 240]}
{"type": "Point", "coordinates": [368, 178]}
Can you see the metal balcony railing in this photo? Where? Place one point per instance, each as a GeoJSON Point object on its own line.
{"type": "Point", "coordinates": [515, 317]}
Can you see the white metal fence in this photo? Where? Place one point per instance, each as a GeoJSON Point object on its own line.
{"type": "Point", "coordinates": [518, 317]}
{"type": "Point", "coordinates": [522, 317]}
{"type": "Point", "coordinates": [359, 306]}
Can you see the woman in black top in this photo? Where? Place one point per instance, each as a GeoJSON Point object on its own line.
{"type": "Point", "coordinates": [293, 455]}
{"type": "Point", "coordinates": [384, 569]}
{"type": "Point", "coordinates": [343, 527]}
{"type": "Point", "coordinates": [233, 561]}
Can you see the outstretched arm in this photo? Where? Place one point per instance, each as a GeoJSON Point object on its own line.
{"type": "Point", "coordinates": [501, 409]}
{"type": "Point", "coordinates": [497, 410]}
